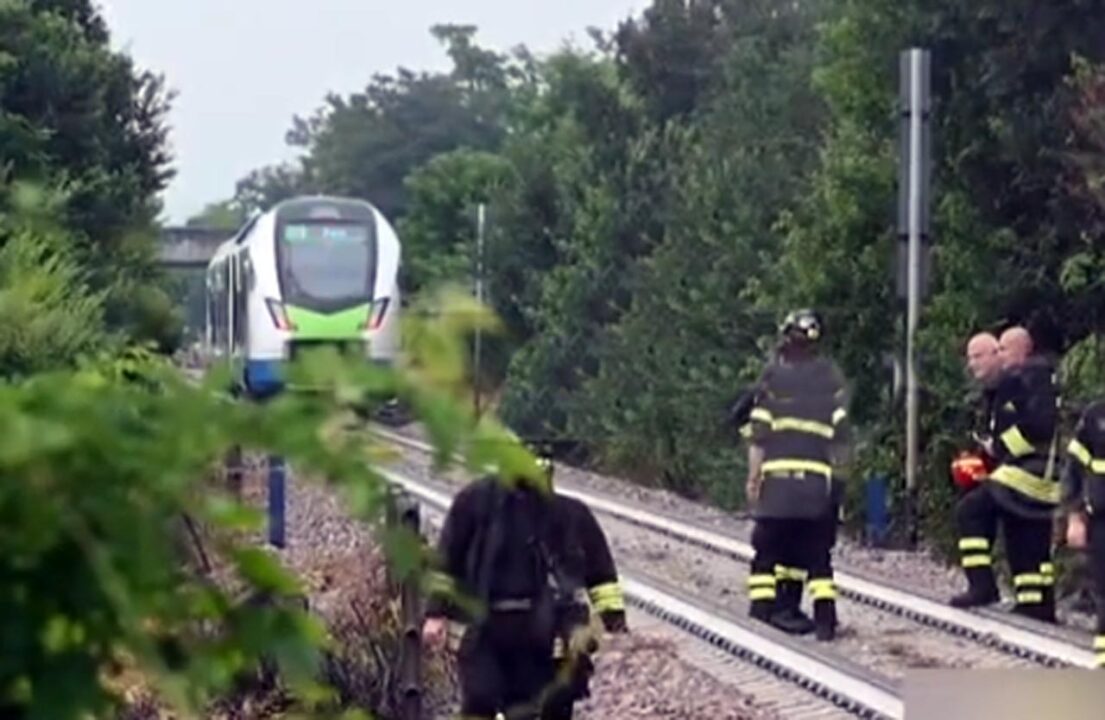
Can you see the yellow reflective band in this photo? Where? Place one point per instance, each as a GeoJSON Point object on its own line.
{"type": "Point", "coordinates": [1027, 484]}
{"type": "Point", "coordinates": [1080, 452]}
{"type": "Point", "coordinates": [1100, 660]}
{"type": "Point", "coordinates": [761, 594]}
{"type": "Point", "coordinates": [746, 430]}
{"type": "Point", "coordinates": [975, 560]}
{"type": "Point", "coordinates": [1099, 642]}
{"type": "Point", "coordinates": [1030, 597]}
{"type": "Point", "coordinates": [783, 572]}
{"type": "Point", "coordinates": [761, 414]}
{"type": "Point", "coordinates": [1097, 467]}
{"type": "Point", "coordinates": [822, 589]}
{"type": "Point", "coordinates": [807, 426]}
{"type": "Point", "coordinates": [1016, 442]}
{"type": "Point", "coordinates": [761, 580]}
{"type": "Point", "coordinates": [607, 597]}
{"type": "Point", "coordinates": [1047, 568]}
{"type": "Point", "coordinates": [839, 415]}
{"type": "Point", "coordinates": [974, 543]}
{"type": "Point", "coordinates": [797, 466]}
{"type": "Point", "coordinates": [1028, 579]}
{"type": "Point", "coordinates": [1047, 580]}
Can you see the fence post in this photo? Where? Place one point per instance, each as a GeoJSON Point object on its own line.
{"type": "Point", "coordinates": [276, 501]}
{"type": "Point", "coordinates": [234, 471]}
{"type": "Point", "coordinates": [410, 661]}
{"type": "Point", "coordinates": [391, 519]}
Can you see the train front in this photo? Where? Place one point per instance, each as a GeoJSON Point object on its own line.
{"type": "Point", "coordinates": [336, 264]}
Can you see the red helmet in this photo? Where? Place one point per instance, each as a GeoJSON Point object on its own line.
{"type": "Point", "coordinates": [968, 469]}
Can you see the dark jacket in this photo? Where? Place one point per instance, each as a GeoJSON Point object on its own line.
{"type": "Point", "coordinates": [1023, 424]}
{"type": "Point", "coordinates": [491, 564]}
{"type": "Point", "coordinates": [800, 421]}
{"type": "Point", "coordinates": [1083, 483]}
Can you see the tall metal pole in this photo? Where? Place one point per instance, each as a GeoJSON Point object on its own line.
{"type": "Point", "coordinates": [410, 661]}
{"type": "Point", "coordinates": [914, 268]}
{"type": "Point", "coordinates": [480, 222]}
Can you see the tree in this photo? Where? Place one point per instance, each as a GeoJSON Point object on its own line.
{"type": "Point", "coordinates": [77, 117]}
{"type": "Point", "coordinates": [226, 215]}
{"type": "Point", "coordinates": [673, 362]}
{"type": "Point", "coordinates": [439, 231]}
{"type": "Point", "coordinates": [52, 317]}
{"type": "Point", "coordinates": [86, 116]}
{"type": "Point", "coordinates": [1003, 223]}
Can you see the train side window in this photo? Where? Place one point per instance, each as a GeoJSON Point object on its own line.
{"type": "Point", "coordinates": [241, 292]}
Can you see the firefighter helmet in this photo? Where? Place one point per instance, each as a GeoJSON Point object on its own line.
{"type": "Point", "coordinates": [804, 323]}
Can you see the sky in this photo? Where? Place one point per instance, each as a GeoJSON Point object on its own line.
{"type": "Point", "coordinates": [242, 69]}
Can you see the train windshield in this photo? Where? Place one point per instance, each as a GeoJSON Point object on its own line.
{"type": "Point", "coordinates": [327, 261]}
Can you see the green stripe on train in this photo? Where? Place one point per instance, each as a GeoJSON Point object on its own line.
{"type": "Point", "coordinates": [344, 324]}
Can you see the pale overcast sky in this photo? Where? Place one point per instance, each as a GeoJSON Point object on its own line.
{"type": "Point", "coordinates": [243, 68]}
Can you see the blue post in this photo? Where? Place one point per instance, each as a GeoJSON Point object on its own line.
{"type": "Point", "coordinates": [877, 511]}
{"type": "Point", "coordinates": [276, 501]}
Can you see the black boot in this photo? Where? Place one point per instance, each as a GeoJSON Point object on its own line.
{"type": "Point", "coordinates": [981, 589]}
{"type": "Point", "coordinates": [788, 615]}
{"type": "Point", "coordinates": [761, 610]}
{"type": "Point", "coordinates": [792, 621]}
{"type": "Point", "coordinates": [824, 619]}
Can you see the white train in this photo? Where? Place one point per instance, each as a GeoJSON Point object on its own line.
{"type": "Point", "coordinates": [311, 270]}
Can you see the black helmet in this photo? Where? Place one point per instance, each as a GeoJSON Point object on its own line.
{"type": "Point", "coordinates": [805, 324]}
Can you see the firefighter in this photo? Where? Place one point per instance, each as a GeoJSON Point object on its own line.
{"type": "Point", "coordinates": [537, 563]}
{"type": "Point", "coordinates": [969, 467]}
{"type": "Point", "coordinates": [1021, 492]}
{"type": "Point", "coordinates": [799, 439]}
{"type": "Point", "coordinates": [1083, 503]}
{"type": "Point", "coordinates": [790, 577]}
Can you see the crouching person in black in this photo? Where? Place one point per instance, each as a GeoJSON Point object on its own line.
{"type": "Point", "coordinates": [537, 565]}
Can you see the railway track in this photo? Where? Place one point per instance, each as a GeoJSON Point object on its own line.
{"type": "Point", "coordinates": [1022, 639]}
{"type": "Point", "coordinates": [746, 653]}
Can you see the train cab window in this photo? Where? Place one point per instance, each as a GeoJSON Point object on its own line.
{"type": "Point", "coordinates": [327, 261]}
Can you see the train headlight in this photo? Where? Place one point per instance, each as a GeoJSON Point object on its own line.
{"type": "Point", "coordinates": [376, 313]}
{"type": "Point", "coordinates": [279, 315]}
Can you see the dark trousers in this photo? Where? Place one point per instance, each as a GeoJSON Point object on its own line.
{"type": "Point", "coordinates": [792, 546]}
{"type": "Point", "coordinates": [1027, 544]}
{"type": "Point", "coordinates": [503, 669]}
{"type": "Point", "coordinates": [1097, 566]}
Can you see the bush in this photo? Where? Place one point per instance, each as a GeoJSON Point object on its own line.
{"type": "Point", "coordinates": [50, 316]}
{"type": "Point", "coordinates": [97, 466]}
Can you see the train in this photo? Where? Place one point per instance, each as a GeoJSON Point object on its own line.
{"type": "Point", "coordinates": [309, 271]}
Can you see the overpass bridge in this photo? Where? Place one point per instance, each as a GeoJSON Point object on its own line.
{"type": "Point", "coordinates": [189, 247]}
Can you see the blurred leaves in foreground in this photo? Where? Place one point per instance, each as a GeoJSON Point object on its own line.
{"type": "Point", "coordinates": [102, 462]}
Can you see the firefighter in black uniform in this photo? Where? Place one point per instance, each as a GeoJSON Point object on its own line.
{"type": "Point", "coordinates": [799, 445]}
{"type": "Point", "coordinates": [535, 563]}
{"type": "Point", "coordinates": [1021, 492]}
{"type": "Point", "coordinates": [1083, 502]}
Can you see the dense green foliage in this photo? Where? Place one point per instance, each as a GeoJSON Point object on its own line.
{"type": "Point", "coordinates": [106, 449]}
{"type": "Point", "coordinates": [51, 316]}
{"type": "Point", "coordinates": [78, 118]}
{"type": "Point", "coordinates": [99, 463]}
{"type": "Point", "coordinates": [659, 202]}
